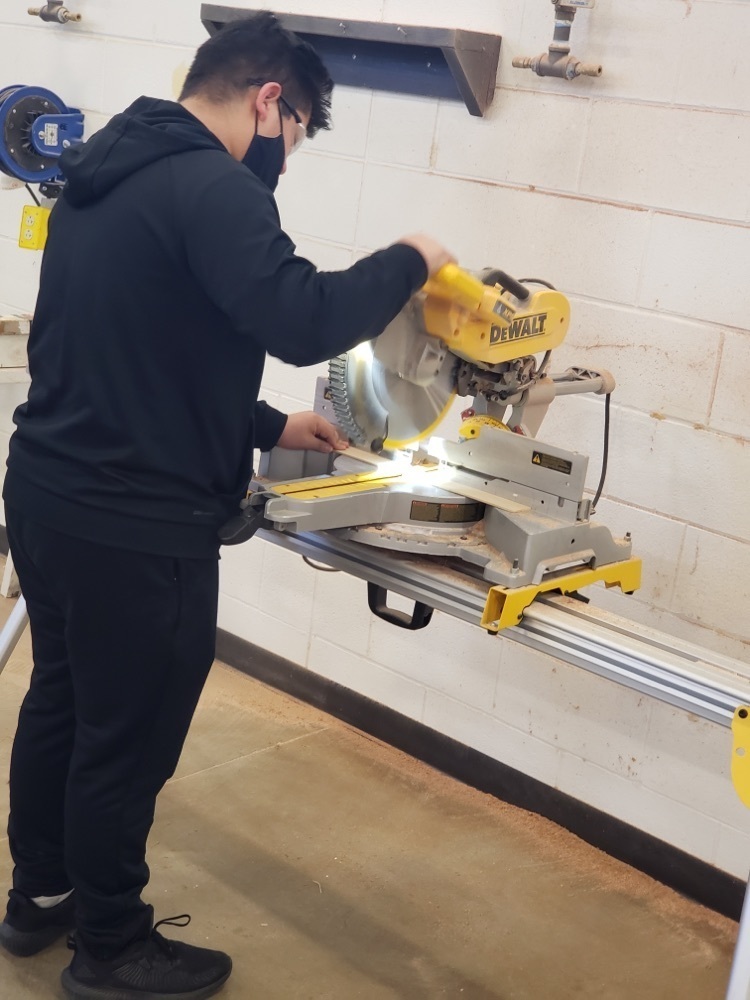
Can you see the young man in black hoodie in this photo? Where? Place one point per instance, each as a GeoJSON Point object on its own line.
{"type": "Point", "coordinates": [166, 279]}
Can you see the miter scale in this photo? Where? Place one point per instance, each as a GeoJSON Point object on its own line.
{"type": "Point", "coordinates": [497, 503]}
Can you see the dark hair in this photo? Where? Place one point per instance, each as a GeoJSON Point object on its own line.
{"type": "Point", "coordinates": [256, 49]}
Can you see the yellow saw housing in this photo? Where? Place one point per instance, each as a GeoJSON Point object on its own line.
{"type": "Point", "coordinates": [486, 325]}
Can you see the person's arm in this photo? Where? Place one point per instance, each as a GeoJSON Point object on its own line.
{"type": "Point", "coordinates": [247, 265]}
{"type": "Point", "coordinates": [269, 425]}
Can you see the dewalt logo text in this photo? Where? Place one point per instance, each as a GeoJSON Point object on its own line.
{"type": "Point", "coordinates": [503, 310]}
{"type": "Point", "coordinates": [519, 329]}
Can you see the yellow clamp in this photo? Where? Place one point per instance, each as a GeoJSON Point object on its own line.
{"type": "Point", "coordinates": [741, 753]}
{"type": "Point", "coordinates": [505, 605]}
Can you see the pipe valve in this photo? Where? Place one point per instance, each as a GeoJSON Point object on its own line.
{"type": "Point", "coordinates": [558, 61]}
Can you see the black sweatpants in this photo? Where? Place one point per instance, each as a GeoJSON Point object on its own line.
{"type": "Point", "coordinates": [122, 644]}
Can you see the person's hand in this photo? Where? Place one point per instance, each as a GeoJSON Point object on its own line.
{"type": "Point", "coordinates": [311, 432]}
{"type": "Point", "coordinates": [434, 253]}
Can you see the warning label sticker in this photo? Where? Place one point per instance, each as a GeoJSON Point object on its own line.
{"type": "Point", "coordinates": [552, 462]}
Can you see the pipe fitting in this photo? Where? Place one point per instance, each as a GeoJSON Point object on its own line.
{"type": "Point", "coordinates": [555, 64]}
{"type": "Point", "coordinates": [557, 60]}
{"type": "Point", "coordinates": [54, 12]}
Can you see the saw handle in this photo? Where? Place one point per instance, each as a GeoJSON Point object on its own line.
{"type": "Point", "coordinates": [377, 598]}
{"type": "Point", "coordinates": [497, 277]}
{"type": "Point", "coordinates": [452, 282]}
{"type": "Point", "coordinates": [242, 527]}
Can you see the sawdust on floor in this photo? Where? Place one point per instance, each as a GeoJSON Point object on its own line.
{"type": "Point", "coordinates": [549, 842]}
{"type": "Point", "coordinates": [554, 845]}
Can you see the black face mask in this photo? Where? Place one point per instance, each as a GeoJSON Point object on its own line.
{"type": "Point", "coordinates": [265, 157]}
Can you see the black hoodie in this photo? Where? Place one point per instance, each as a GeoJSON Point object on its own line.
{"type": "Point", "coordinates": [165, 280]}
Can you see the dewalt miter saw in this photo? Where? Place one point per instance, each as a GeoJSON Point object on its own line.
{"type": "Point", "coordinates": [499, 504]}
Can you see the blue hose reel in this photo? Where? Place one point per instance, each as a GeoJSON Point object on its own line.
{"type": "Point", "coordinates": [36, 127]}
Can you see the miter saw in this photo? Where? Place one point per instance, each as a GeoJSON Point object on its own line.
{"type": "Point", "coordinates": [497, 503]}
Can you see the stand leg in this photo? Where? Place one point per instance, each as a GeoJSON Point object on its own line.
{"type": "Point", "coordinates": [10, 586]}
{"type": "Point", "coordinates": [12, 631]}
{"type": "Point", "coordinates": [739, 980]}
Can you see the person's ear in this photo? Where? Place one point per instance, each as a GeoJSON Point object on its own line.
{"type": "Point", "coordinates": [266, 98]}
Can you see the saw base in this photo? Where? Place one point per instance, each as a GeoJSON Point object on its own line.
{"type": "Point", "coordinates": [510, 550]}
{"type": "Point", "coordinates": [521, 536]}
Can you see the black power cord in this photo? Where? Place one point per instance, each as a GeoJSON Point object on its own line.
{"type": "Point", "coordinates": [28, 188]}
{"type": "Point", "coordinates": [537, 281]}
{"type": "Point", "coordinates": [319, 566]}
{"type": "Point", "coordinates": [605, 454]}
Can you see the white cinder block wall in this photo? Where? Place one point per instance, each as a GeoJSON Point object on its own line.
{"type": "Point", "coordinates": [630, 193]}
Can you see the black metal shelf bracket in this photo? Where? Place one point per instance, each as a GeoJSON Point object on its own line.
{"type": "Point", "coordinates": [433, 62]}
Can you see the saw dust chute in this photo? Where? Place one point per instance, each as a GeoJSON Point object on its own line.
{"type": "Point", "coordinates": [499, 503]}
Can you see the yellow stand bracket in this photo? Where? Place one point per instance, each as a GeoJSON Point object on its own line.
{"type": "Point", "coordinates": [505, 605]}
{"type": "Point", "coordinates": [741, 753]}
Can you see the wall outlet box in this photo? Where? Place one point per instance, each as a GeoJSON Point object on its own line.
{"type": "Point", "coordinates": [33, 235]}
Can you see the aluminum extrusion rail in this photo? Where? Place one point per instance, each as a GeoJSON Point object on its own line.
{"type": "Point", "coordinates": [679, 673]}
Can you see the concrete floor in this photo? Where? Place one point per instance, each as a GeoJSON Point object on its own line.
{"type": "Point", "coordinates": [332, 867]}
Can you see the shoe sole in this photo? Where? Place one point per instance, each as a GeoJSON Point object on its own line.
{"type": "Point", "coordinates": [23, 944]}
{"type": "Point", "coordinates": [79, 991]}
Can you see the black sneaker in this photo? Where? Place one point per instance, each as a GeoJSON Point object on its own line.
{"type": "Point", "coordinates": [29, 928]}
{"type": "Point", "coordinates": [151, 969]}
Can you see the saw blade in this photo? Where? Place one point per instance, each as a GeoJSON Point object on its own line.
{"type": "Point", "coordinates": [414, 411]}
{"type": "Point", "coordinates": [380, 409]}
